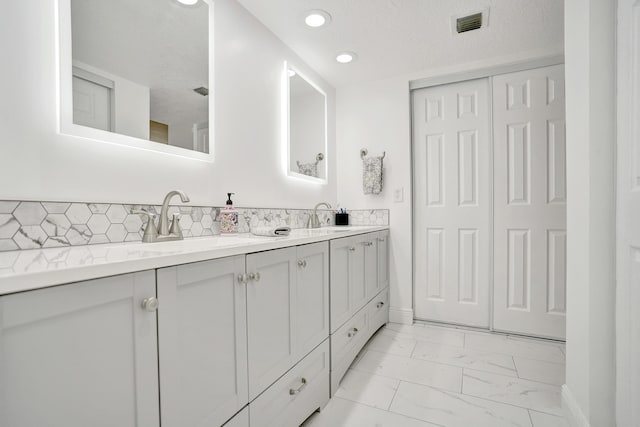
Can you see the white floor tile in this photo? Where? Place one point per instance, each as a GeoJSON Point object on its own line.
{"type": "Point", "coordinates": [538, 370]}
{"type": "Point", "coordinates": [516, 347]}
{"type": "Point", "coordinates": [540, 419]}
{"type": "Point", "coordinates": [392, 343]}
{"type": "Point", "coordinates": [524, 393]}
{"type": "Point", "coordinates": [342, 413]}
{"type": "Point", "coordinates": [429, 334]}
{"type": "Point", "coordinates": [465, 358]}
{"type": "Point", "coordinates": [454, 409]}
{"type": "Point", "coordinates": [412, 370]}
{"type": "Point", "coordinates": [368, 389]}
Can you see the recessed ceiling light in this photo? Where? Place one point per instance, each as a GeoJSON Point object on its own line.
{"type": "Point", "coordinates": [346, 57]}
{"type": "Point", "coordinates": [317, 18]}
{"type": "Point", "coordinates": [188, 2]}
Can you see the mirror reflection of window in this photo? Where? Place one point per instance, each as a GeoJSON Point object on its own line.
{"type": "Point", "coordinates": [141, 68]}
{"type": "Point", "coordinates": [307, 128]}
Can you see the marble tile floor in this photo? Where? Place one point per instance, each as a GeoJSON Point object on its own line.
{"type": "Point", "coordinates": [426, 375]}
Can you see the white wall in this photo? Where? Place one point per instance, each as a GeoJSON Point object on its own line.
{"type": "Point", "coordinates": [377, 116]}
{"type": "Point", "coordinates": [38, 163]}
{"type": "Point", "coordinates": [590, 87]}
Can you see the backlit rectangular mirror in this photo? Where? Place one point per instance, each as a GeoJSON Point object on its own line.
{"type": "Point", "coordinates": [138, 70]}
{"type": "Point", "coordinates": [307, 128]}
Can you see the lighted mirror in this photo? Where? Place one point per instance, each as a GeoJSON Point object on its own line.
{"type": "Point", "coordinates": [138, 70]}
{"type": "Point", "coordinates": [307, 128]}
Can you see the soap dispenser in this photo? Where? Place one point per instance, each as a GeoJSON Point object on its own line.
{"type": "Point", "coordinates": [228, 217]}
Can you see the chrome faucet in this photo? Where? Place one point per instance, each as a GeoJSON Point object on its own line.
{"type": "Point", "coordinates": [314, 222]}
{"type": "Point", "coordinates": [163, 232]}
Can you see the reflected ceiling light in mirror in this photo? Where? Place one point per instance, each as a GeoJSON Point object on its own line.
{"type": "Point", "coordinates": [188, 2]}
{"type": "Point", "coordinates": [346, 57]}
{"type": "Point", "coordinates": [317, 18]}
{"type": "Point", "coordinates": [291, 73]}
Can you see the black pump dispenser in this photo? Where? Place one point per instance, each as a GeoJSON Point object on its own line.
{"type": "Point", "coordinates": [229, 201]}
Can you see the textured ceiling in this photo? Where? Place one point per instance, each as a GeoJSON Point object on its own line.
{"type": "Point", "coordinates": [393, 37]}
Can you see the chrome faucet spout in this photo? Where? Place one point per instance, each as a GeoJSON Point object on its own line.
{"type": "Point", "coordinates": [314, 221]}
{"type": "Point", "coordinates": [163, 222]}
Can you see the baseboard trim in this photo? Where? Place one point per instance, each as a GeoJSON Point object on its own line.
{"type": "Point", "coordinates": [403, 316]}
{"type": "Point", "coordinates": [572, 410]}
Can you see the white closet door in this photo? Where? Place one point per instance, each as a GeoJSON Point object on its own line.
{"type": "Point", "coordinates": [530, 202]}
{"type": "Point", "coordinates": [452, 227]}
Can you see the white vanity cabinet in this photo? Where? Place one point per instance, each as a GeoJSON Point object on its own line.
{"type": "Point", "coordinates": [353, 276]}
{"type": "Point", "coordinates": [287, 309]}
{"type": "Point", "coordinates": [383, 259]}
{"type": "Point", "coordinates": [359, 296]}
{"type": "Point", "coordinates": [79, 355]}
{"type": "Point", "coordinates": [202, 342]}
{"type": "Point", "coordinates": [246, 340]}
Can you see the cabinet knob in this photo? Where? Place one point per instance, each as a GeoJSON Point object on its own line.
{"type": "Point", "coordinates": [243, 278]}
{"type": "Point", "coordinates": [302, 263]}
{"type": "Point", "coordinates": [294, 391]}
{"type": "Point", "coordinates": [368, 243]}
{"type": "Point", "coordinates": [254, 276]}
{"type": "Point", "coordinates": [381, 239]}
{"type": "Point", "coordinates": [150, 304]}
{"type": "Point", "coordinates": [380, 304]}
{"type": "Point", "coordinates": [352, 248]}
{"type": "Point", "coordinates": [352, 332]}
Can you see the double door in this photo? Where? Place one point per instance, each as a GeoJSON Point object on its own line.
{"type": "Point", "coordinates": [490, 202]}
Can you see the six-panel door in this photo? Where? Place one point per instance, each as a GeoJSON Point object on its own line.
{"type": "Point", "coordinates": [80, 355]}
{"type": "Point", "coordinates": [202, 342]}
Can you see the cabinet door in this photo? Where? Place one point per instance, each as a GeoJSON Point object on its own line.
{"type": "Point", "coordinates": [312, 297]}
{"type": "Point", "coordinates": [202, 342]}
{"type": "Point", "coordinates": [271, 316]}
{"type": "Point", "coordinates": [370, 244]}
{"type": "Point", "coordinates": [383, 259]}
{"type": "Point", "coordinates": [359, 274]}
{"type": "Point", "coordinates": [81, 355]}
{"type": "Point", "coordinates": [340, 252]}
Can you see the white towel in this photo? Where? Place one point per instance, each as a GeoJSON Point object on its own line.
{"type": "Point", "coordinates": [271, 231]}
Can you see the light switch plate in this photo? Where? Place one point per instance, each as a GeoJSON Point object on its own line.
{"type": "Point", "coordinates": [398, 195]}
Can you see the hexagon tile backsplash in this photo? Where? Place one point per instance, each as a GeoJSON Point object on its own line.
{"type": "Point", "coordinates": [32, 225]}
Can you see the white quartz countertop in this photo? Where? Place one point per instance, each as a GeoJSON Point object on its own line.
{"type": "Point", "coordinates": [39, 268]}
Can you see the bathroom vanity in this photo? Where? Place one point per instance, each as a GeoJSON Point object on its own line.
{"type": "Point", "coordinates": [237, 331]}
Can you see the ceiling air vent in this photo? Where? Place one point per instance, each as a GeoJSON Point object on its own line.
{"type": "Point", "coordinates": [202, 91]}
{"type": "Point", "coordinates": [469, 23]}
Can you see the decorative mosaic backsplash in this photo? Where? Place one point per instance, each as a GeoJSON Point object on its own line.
{"type": "Point", "coordinates": [31, 225]}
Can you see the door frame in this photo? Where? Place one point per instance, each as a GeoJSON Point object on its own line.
{"type": "Point", "coordinates": [458, 77]}
{"type": "Point", "coordinates": [627, 377]}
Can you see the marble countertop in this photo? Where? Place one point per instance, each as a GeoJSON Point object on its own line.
{"type": "Point", "coordinates": [39, 268]}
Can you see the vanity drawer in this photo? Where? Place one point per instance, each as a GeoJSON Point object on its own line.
{"type": "Point", "coordinates": [378, 310]}
{"type": "Point", "coordinates": [297, 394]}
{"type": "Point", "coordinates": [346, 342]}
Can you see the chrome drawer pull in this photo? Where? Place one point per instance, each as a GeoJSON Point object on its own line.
{"type": "Point", "coordinates": [380, 304]}
{"type": "Point", "coordinates": [302, 263]}
{"type": "Point", "coordinates": [353, 332]}
{"type": "Point", "coordinates": [294, 391]}
{"type": "Point", "coordinates": [352, 248]}
{"type": "Point", "coordinates": [367, 243]}
{"type": "Point", "coordinates": [382, 239]}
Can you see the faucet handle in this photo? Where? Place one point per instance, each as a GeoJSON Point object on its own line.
{"type": "Point", "coordinates": [150, 231]}
{"type": "Point", "coordinates": [175, 225]}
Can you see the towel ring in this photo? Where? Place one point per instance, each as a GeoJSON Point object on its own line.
{"type": "Point", "coordinates": [364, 152]}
